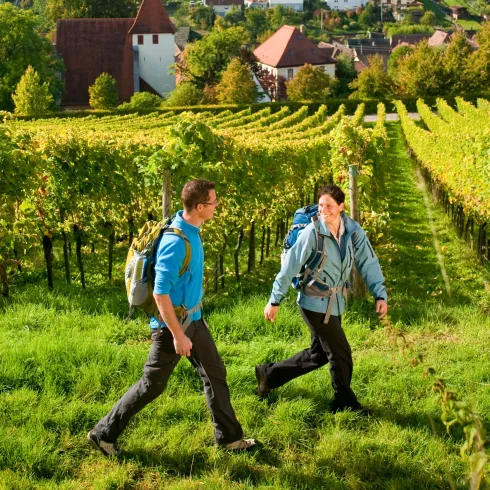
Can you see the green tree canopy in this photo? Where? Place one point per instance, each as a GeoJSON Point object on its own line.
{"type": "Point", "coordinates": [103, 93]}
{"type": "Point", "coordinates": [373, 82]}
{"type": "Point", "coordinates": [429, 18]}
{"type": "Point", "coordinates": [185, 94]}
{"type": "Point", "coordinates": [22, 45]}
{"type": "Point", "coordinates": [400, 52]}
{"type": "Point", "coordinates": [31, 97]}
{"type": "Point", "coordinates": [345, 74]}
{"type": "Point", "coordinates": [256, 21]}
{"type": "Point", "coordinates": [237, 85]}
{"type": "Point", "coordinates": [421, 73]}
{"type": "Point", "coordinates": [368, 18]}
{"type": "Point", "coordinates": [52, 10]}
{"type": "Point", "coordinates": [457, 58]}
{"type": "Point", "coordinates": [479, 63]}
{"type": "Point", "coordinates": [310, 83]}
{"type": "Point", "coordinates": [205, 61]}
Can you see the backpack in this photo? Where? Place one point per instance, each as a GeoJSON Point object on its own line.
{"type": "Point", "coordinates": [140, 264]}
{"type": "Point", "coordinates": [301, 219]}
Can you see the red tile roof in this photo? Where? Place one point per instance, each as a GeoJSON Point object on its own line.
{"type": "Point", "coordinates": [289, 47]}
{"type": "Point", "coordinates": [92, 46]}
{"type": "Point", "coordinates": [152, 18]}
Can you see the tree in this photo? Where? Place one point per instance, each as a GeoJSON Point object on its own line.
{"type": "Point", "coordinates": [203, 16]}
{"type": "Point", "coordinates": [185, 94]}
{"type": "Point", "coordinates": [256, 21]}
{"type": "Point", "coordinates": [367, 18]}
{"type": "Point", "coordinates": [456, 57]}
{"type": "Point", "coordinates": [478, 70]}
{"type": "Point", "coordinates": [310, 83]}
{"type": "Point", "coordinates": [81, 9]}
{"type": "Point", "coordinates": [373, 82]}
{"type": "Point", "coordinates": [204, 61]}
{"type": "Point", "coordinates": [31, 97]}
{"type": "Point", "coordinates": [237, 85]}
{"type": "Point", "coordinates": [22, 45]}
{"type": "Point", "coordinates": [103, 93]}
{"type": "Point", "coordinates": [421, 73]}
{"type": "Point", "coordinates": [428, 19]}
{"type": "Point", "coordinates": [398, 53]}
{"type": "Point", "coordinates": [345, 74]}
{"type": "Point", "coordinates": [234, 16]}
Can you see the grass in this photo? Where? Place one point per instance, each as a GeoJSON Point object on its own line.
{"type": "Point", "coordinates": [469, 25]}
{"type": "Point", "coordinates": [67, 355]}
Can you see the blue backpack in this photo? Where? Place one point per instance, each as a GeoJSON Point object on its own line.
{"type": "Point", "coordinates": [310, 272]}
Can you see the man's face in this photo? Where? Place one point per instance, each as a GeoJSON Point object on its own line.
{"type": "Point", "coordinates": [206, 209]}
{"type": "Point", "coordinates": [329, 209]}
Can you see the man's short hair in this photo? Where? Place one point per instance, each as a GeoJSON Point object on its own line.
{"type": "Point", "coordinates": [196, 191]}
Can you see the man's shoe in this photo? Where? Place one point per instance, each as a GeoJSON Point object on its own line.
{"type": "Point", "coordinates": [263, 389]}
{"type": "Point", "coordinates": [106, 448]}
{"type": "Point", "coordinates": [243, 445]}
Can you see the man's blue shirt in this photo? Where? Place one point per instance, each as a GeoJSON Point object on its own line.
{"type": "Point", "coordinates": [185, 290]}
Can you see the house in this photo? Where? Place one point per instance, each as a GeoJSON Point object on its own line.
{"type": "Point", "coordinates": [288, 49]}
{"type": "Point", "coordinates": [407, 39]}
{"type": "Point", "coordinates": [293, 4]}
{"type": "Point", "coordinates": [223, 6]}
{"type": "Point", "coordinates": [345, 4]}
{"type": "Point", "coordinates": [261, 4]}
{"type": "Point", "coordinates": [439, 38]}
{"type": "Point", "coordinates": [458, 12]}
{"type": "Point", "coordinates": [137, 52]}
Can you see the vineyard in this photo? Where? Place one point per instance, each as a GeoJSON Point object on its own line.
{"type": "Point", "coordinates": [74, 192]}
{"type": "Point", "coordinates": [103, 178]}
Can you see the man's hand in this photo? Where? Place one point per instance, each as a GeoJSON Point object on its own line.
{"type": "Point", "coordinates": [182, 345]}
{"type": "Point", "coordinates": [381, 308]}
{"type": "Point", "coordinates": [270, 312]}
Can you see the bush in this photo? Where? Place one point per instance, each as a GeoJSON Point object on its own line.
{"type": "Point", "coordinates": [354, 25]}
{"type": "Point", "coordinates": [103, 93]}
{"type": "Point", "coordinates": [31, 98]}
{"type": "Point", "coordinates": [142, 100]}
{"type": "Point", "coordinates": [185, 94]}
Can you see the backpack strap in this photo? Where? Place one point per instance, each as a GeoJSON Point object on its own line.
{"type": "Point", "coordinates": [315, 266]}
{"type": "Point", "coordinates": [188, 251]}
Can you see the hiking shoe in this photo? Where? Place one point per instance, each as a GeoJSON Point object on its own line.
{"type": "Point", "coordinates": [358, 409]}
{"type": "Point", "coordinates": [263, 388]}
{"type": "Point", "coordinates": [243, 445]}
{"type": "Point", "coordinates": [106, 448]}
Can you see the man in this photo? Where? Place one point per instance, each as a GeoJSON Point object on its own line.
{"type": "Point", "coordinates": [172, 338]}
{"type": "Point", "coordinates": [321, 298]}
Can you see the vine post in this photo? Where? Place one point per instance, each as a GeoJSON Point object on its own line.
{"type": "Point", "coordinates": [166, 194]}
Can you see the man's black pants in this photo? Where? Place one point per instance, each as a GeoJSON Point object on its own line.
{"type": "Point", "coordinates": [161, 361]}
{"type": "Point", "coordinates": [328, 345]}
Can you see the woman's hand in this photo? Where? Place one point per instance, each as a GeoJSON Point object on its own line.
{"type": "Point", "coordinates": [270, 312]}
{"type": "Point", "coordinates": [381, 308]}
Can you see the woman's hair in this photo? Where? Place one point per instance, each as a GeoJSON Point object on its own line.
{"type": "Point", "coordinates": [334, 191]}
{"type": "Point", "coordinates": [196, 192]}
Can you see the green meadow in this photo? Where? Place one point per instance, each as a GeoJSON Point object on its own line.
{"type": "Point", "coordinates": [67, 355]}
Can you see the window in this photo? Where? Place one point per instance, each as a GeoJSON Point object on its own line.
{"type": "Point", "coordinates": [290, 73]}
{"type": "Point", "coordinates": [155, 38]}
{"type": "Point", "coordinates": [321, 68]}
{"type": "Point", "coordinates": [140, 39]}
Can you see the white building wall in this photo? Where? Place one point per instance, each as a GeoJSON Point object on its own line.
{"type": "Point", "coordinates": [284, 72]}
{"type": "Point", "coordinates": [346, 4]}
{"type": "Point", "coordinates": [155, 60]}
{"type": "Point", "coordinates": [294, 4]}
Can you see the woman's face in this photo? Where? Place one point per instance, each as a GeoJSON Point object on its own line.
{"type": "Point", "coordinates": [329, 209]}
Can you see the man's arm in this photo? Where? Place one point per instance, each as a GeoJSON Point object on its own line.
{"type": "Point", "coordinates": [182, 343]}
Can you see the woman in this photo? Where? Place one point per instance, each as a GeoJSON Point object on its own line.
{"type": "Point", "coordinates": [322, 297]}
